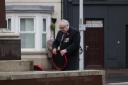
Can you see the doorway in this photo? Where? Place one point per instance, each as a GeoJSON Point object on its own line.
{"type": "Point", "coordinates": [94, 46]}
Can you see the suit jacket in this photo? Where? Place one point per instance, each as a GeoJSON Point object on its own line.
{"type": "Point", "coordinates": [69, 41]}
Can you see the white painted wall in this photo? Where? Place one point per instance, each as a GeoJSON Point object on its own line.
{"type": "Point", "coordinates": [38, 58]}
{"type": "Point", "coordinates": [55, 3]}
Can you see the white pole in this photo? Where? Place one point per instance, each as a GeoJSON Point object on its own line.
{"type": "Point", "coordinates": [81, 56]}
{"type": "Point", "coordinates": [81, 12]}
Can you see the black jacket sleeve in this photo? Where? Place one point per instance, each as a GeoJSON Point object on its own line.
{"type": "Point", "coordinates": [75, 44]}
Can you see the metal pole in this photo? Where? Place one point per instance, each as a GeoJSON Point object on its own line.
{"type": "Point", "coordinates": [81, 56]}
{"type": "Point", "coordinates": [81, 12]}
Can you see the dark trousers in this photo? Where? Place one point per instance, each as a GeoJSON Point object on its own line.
{"type": "Point", "coordinates": [73, 64]}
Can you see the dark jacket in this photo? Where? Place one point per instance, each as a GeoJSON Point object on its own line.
{"type": "Point", "coordinates": [71, 42]}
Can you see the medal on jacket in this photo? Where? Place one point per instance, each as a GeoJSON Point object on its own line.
{"type": "Point", "coordinates": [66, 40]}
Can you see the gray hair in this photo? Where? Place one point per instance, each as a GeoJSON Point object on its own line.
{"type": "Point", "coordinates": [65, 21]}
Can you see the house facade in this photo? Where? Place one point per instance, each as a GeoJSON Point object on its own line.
{"type": "Point", "coordinates": [32, 19]}
{"type": "Point", "coordinates": [106, 35]}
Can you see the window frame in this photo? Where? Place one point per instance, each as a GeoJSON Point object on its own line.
{"type": "Point", "coordinates": [33, 17]}
{"type": "Point", "coordinates": [37, 24]}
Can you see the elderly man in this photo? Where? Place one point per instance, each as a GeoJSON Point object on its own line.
{"type": "Point", "coordinates": [68, 42]}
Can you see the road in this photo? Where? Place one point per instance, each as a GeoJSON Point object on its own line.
{"type": "Point", "coordinates": [119, 83]}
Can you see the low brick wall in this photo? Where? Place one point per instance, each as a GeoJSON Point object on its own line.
{"type": "Point", "coordinates": [87, 77]}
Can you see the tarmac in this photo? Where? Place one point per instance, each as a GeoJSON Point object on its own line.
{"type": "Point", "coordinates": [120, 83]}
{"type": "Point", "coordinates": [117, 80]}
{"type": "Point", "coordinates": [117, 77]}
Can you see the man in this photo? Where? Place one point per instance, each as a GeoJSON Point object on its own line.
{"type": "Point", "coordinates": [68, 42]}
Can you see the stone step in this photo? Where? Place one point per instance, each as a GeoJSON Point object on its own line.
{"type": "Point", "coordinates": [16, 65]}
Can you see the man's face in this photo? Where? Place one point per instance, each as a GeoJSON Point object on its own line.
{"type": "Point", "coordinates": [63, 27]}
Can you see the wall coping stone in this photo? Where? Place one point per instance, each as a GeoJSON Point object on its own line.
{"type": "Point", "coordinates": [48, 74]}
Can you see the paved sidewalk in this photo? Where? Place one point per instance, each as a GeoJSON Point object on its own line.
{"type": "Point", "coordinates": [119, 83]}
{"type": "Point", "coordinates": [117, 80]}
{"type": "Point", "coordinates": [117, 77]}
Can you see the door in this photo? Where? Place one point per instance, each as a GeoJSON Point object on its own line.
{"type": "Point", "coordinates": [94, 48]}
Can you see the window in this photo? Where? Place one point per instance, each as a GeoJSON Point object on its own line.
{"type": "Point", "coordinates": [44, 34]}
{"type": "Point", "coordinates": [94, 23]}
{"type": "Point", "coordinates": [34, 30]}
{"type": "Point", "coordinates": [27, 33]}
{"type": "Point", "coordinates": [9, 24]}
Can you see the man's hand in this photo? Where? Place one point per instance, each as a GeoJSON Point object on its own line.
{"type": "Point", "coordinates": [63, 52]}
{"type": "Point", "coordinates": [54, 51]}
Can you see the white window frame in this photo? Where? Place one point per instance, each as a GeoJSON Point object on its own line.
{"type": "Point", "coordinates": [38, 20]}
{"type": "Point", "coordinates": [34, 18]}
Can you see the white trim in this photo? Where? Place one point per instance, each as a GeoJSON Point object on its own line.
{"type": "Point", "coordinates": [48, 26]}
{"type": "Point", "coordinates": [33, 50]}
{"type": "Point", "coordinates": [37, 38]}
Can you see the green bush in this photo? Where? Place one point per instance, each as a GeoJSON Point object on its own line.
{"type": "Point", "coordinates": [52, 26]}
